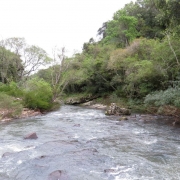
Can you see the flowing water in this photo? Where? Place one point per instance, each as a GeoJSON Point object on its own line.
{"type": "Point", "coordinates": [87, 145]}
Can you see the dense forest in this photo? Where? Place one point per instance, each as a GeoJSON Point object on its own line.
{"type": "Point", "coordinates": [136, 63]}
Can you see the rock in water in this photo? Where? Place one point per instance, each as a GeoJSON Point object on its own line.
{"type": "Point", "coordinates": [58, 175]}
{"type": "Point", "coordinates": [109, 170]}
{"type": "Point", "coordinates": [6, 154]}
{"type": "Point", "coordinates": [77, 125]}
{"type": "Point", "coordinates": [31, 136]}
{"type": "Point", "coordinates": [123, 118]}
{"type": "Point", "coordinates": [113, 109]}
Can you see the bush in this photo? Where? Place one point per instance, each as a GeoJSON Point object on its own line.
{"type": "Point", "coordinates": [171, 96]}
{"type": "Point", "coordinates": [120, 101]}
{"type": "Point", "coordinates": [38, 94]}
{"type": "Point", "coordinates": [11, 89]}
{"type": "Point", "coordinates": [9, 107]}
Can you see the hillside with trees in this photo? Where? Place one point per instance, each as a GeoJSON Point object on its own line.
{"type": "Point", "coordinates": [136, 63]}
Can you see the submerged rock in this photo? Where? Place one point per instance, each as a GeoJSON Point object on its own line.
{"type": "Point", "coordinates": [119, 123]}
{"type": "Point", "coordinates": [123, 118]}
{"type": "Point", "coordinates": [113, 109]}
{"type": "Point", "coordinates": [7, 154]}
{"type": "Point", "coordinates": [58, 175]}
{"type": "Point", "coordinates": [31, 136]}
{"type": "Point", "coordinates": [76, 125]}
{"type": "Point", "coordinates": [176, 122]}
{"type": "Point", "coordinates": [109, 170]}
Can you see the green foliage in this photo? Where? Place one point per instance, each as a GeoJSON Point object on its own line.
{"type": "Point", "coordinates": [147, 12]}
{"type": "Point", "coordinates": [11, 89]}
{"type": "Point", "coordinates": [33, 57]}
{"type": "Point", "coordinates": [132, 68]}
{"type": "Point", "coordinates": [138, 54]}
{"type": "Point", "coordinates": [44, 74]}
{"type": "Point", "coordinates": [38, 94]}
{"type": "Point", "coordinates": [88, 71]}
{"type": "Point", "coordinates": [10, 66]}
{"type": "Point", "coordinates": [136, 71]}
{"type": "Point", "coordinates": [169, 15]}
{"type": "Point", "coordinates": [9, 107]}
{"type": "Point", "coordinates": [166, 55]}
{"type": "Point", "coordinates": [121, 30]}
{"type": "Point", "coordinates": [171, 96]}
{"type": "Point", "coordinates": [143, 18]}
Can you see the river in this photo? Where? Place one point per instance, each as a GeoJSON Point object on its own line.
{"type": "Point", "coordinates": [87, 145]}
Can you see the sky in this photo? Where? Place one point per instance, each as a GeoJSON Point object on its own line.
{"type": "Point", "coordinates": [56, 23]}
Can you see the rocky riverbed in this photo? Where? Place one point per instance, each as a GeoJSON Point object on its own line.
{"type": "Point", "coordinates": [24, 114]}
{"type": "Point", "coordinates": [76, 143]}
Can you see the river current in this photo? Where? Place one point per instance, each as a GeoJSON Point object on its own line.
{"type": "Point", "coordinates": [87, 145]}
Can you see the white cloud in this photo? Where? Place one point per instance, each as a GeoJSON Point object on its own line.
{"type": "Point", "coordinates": [48, 23]}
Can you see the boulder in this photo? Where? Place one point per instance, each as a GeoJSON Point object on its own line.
{"type": "Point", "coordinates": [31, 136]}
{"type": "Point", "coordinates": [113, 109]}
{"type": "Point", "coordinates": [125, 111]}
{"type": "Point", "coordinates": [58, 175]}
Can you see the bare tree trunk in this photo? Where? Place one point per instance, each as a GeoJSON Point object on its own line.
{"type": "Point", "coordinates": [58, 67]}
{"type": "Point", "coordinates": [172, 49]}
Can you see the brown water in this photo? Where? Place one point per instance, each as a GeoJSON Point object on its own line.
{"type": "Point", "coordinates": [87, 145]}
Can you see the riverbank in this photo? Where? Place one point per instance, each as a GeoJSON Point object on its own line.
{"type": "Point", "coordinates": [24, 114]}
{"type": "Point", "coordinates": [137, 108]}
{"type": "Point", "coordinates": [92, 104]}
{"type": "Point", "coordinates": [103, 104]}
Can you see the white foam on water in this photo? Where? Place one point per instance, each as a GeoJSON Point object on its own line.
{"type": "Point", "coordinates": [119, 178]}
{"type": "Point", "coordinates": [118, 170]}
{"type": "Point", "coordinates": [31, 147]}
{"type": "Point", "coordinates": [1, 149]}
{"type": "Point", "coordinates": [19, 162]}
{"type": "Point", "coordinates": [139, 131]}
{"type": "Point", "coordinates": [92, 138]}
{"type": "Point", "coordinates": [95, 172]}
{"type": "Point", "coordinates": [14, 147]}
{"type": "Point", "coordinates": [76, 136]}
{"type": "Point", "coordinates": [33, 155]}
{"type": "Point", "coordinates": [150, 142]}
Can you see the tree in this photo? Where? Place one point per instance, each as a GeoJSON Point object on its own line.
{"type": "Point", "coordinates": [60, 65]}
{"type": "Point", "coordinates": [167, 54]}
{"type": "Point", "coordinates": [169, 14]}
{"type": "Point", "coordinates": [10, 66]}
{"type": "Point", "coordinates": [122, 29]}
{"type": "Point", "coordinates": [32, 57]}
{"type": "Point", "coordinates": [89, 71]}
{"type": "Point", "coordinates": [138, 71]}
{"type": "Point", "coordinates": [102, 30]}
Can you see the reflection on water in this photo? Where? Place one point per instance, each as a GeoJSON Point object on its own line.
{"type": "Point", "coordinates": [88, 145]}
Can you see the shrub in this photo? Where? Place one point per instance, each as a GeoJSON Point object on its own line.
{"type": "Point", "coordinates": [9, 107]}
{"type": "Point", "coordinates": [171, 96]}
{"type": "Point", "coordinates": [38, 94]}
{"type": "Point", "coordinates": [11, 89]}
